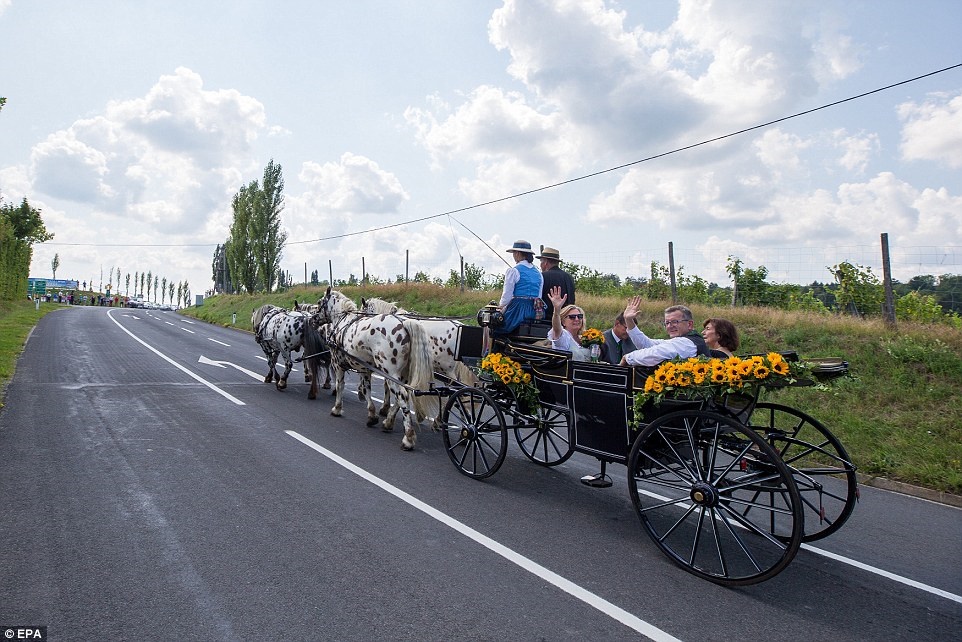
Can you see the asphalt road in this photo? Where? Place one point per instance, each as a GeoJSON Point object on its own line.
{"type": "Point", "coordinates": [152, 487]}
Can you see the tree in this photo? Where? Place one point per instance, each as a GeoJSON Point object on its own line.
{"type": "Point", "coordinates": [256, 243]}
{"type": "Point", "coordinates": [163, 290]}
{"type": "Point", "coordinates": [240, 254]}
{"type": "Point", "coordinates": [26, 221]}
{"type": "Point", "coordinates": [150, 280]}
{"type": "Point", "coordinates": [156, 283]}
{"type": "Point", "coordinates": [54, 264]}
{"type": "Point", "coordinates": [127, 289]}
{"type": "Point", "coordinates": [143, 277]}
{"type": "Point", "coordinates": [859, 291]}
{"type": "Point", "coordinates": [170, 291]}
{"type": "Point", "coordinates": [267, 237]}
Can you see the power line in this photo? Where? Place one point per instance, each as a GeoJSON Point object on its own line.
{"type": "Point", "coordinates": [552, 185]}
{"type": "Point", "coordinates": [637, 162]}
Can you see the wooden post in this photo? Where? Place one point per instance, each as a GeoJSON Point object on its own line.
{"type": "Point", "coordinates": [462, 275]}
{"type": "Point", "coordinates": [888, 308]}
{"type": "Point", "coordinates": [407, 264]}
{"type": "Point", "coordinates": [330, 273]}
{"type": "Point", "coordinates": [671, 272]}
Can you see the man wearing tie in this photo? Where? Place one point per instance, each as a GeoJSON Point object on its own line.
{"type": "Point", "coordinates": [617, 340]}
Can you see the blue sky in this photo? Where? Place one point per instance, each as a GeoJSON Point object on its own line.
{"type": "Point", "coordinates": [131, 125]}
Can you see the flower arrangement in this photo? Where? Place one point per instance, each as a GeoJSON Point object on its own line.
{"type": "Point", "coordinates": [702, 378]}
{"type": "Point", "coordinates": [592, 336]}
{"type": "Point", "coordinates": [508, 372]}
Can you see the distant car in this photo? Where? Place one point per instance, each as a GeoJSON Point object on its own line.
{"type": "Point", "coordinates": [135, 302]}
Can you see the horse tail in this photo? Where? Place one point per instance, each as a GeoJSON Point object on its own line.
{"type": "Point", "coordinates": [420, 372]}
{"type": "Point", "coordinates": [464, 374]}
{"type": "Point", "coordinates": [316, 350]}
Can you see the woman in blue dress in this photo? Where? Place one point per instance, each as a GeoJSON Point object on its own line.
{"type": "Point", "coordinates": [521, 297]}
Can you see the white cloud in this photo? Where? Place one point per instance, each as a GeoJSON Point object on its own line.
{"type": "Point", "coordinates": [857, 150]}
{"type": "Point", "coordinates": [169, 160]}
{"type": "Point", "coordinates": [353, 185]}
{"type": "Point", "coordinates": [932, 130]}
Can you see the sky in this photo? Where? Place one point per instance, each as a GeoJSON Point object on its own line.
{"type": "Point", "coordinates": [414, 134]}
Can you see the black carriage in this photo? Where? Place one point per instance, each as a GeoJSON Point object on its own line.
{"type": "Point", "coordinates": [727, 487]}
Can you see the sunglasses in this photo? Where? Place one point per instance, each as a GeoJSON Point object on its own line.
{"type": "Point", "coordinates": [576, 316]}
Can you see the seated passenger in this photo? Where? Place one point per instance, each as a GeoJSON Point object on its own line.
{"type": "Point", "coordinates": [721, 337]}
{"type": "Point", "coordinates": [684, 342]}
{"type": "Point", "coordinates": [521, 295]}
{"type": "Point", "coordinates": [617, 340]}
{"type": "Point", "coordinates": [567, 324]}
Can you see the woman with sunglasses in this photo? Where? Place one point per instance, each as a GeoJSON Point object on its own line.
{"type": "Point", "coordinates": [567, 324]}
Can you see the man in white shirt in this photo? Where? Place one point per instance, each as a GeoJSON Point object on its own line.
{"type": "Point", "coordinates": [683, 341]}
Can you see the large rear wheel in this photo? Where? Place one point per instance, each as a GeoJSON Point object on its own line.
{"type": "Point", "coordinates": [715, 497]}
{"type": "Point", "coordinates": [474, 432]}
{"type": "Point", "coordinates": [823, 472]}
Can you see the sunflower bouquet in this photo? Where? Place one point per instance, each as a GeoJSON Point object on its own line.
{"type": "Point", "coordinates": [498, 368]}
{"type": "Point", "coordinates": [702, 378]}
{"type": "Point", "coordinates": [592, 336]}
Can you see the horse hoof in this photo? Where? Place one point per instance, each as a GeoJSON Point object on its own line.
{"type": "Point", "coordinates": [312, 395]}
{"type": "Point", "coordinates": [268, 378]}
{"type": "Point", "coordinates": [386, 428]}
{"type": "Point", "coordinates": [406, 448]}
{"type": "Point", "coordinates": [282, 384]}
{"type": "Point", "coordinates": [335, 413]}
{"type": "Point", "coordinates": [326, 386]}
{"type": "Point", "coordinates": [371, 421]}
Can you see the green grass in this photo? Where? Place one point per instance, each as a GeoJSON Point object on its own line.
{"type": "Point", "coordinates": [899, 415]}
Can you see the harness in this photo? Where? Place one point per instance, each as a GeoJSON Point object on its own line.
{"type": "Point", "coordinates": [270, 314]}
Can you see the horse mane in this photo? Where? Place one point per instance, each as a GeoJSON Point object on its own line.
{"type": "Point", "coordinates": [375, 305]}
{"type": "Point", "coordinates": [258, 315]}
{"type": "Point", "coordinates": [346, 303]}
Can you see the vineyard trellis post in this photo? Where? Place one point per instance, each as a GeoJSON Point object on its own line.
{"type": "Point", "coordinates": [671, 272]}
{"type": "Point", "coordinates": [888, 308]}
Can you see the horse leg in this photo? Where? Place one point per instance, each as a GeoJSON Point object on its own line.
{"type": "Point", "coordinates": [327, 378]}
{"type": "Point", "coordinates": [310, 366]}
{"type": "Point", "coordinates": [371, 411]}
{"type": "Point", "coordinates": [410, 420]}
{"type": "Point", "coordinates": [387, 400]}
{"type": "Point", "coordinates": [288, 366]}
{"type": "Point", "coordinates": [393, 407]}
{"type": "Point", "coordinates": [338, 409]}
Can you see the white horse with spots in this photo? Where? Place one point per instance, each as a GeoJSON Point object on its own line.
{"type": "Point", "coordinates": [442, 336]}
{"type": "Point", "coordinates": [395, 347]}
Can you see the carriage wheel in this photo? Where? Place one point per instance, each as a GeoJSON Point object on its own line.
{"type": "Point", "coordinates": [474, 432]}
{"type": "Point", "coordinates": [547, 439]}
{"type": "Point", "coordinates": [823, 472]}
{"type": "Point", "coordinates": [715, 497]}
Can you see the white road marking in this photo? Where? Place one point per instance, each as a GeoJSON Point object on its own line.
{"type": "Point", "coordinates": [586, 596]}
{"type": "Point", "coordinates": [188, 330]}
{"type": "Point", "coordinates": [224, 364]}
{"type": "Point", "coordinates": [846, 560]}
{"type": "Point", "coordinates": [216, 341]}
{"type": "Point", "coordinates": [175, 364]}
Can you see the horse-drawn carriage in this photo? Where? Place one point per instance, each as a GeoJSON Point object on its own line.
{"type": "Point", "coordinates": [726, 485]}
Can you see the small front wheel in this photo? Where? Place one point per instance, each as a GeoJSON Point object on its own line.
{"type": "Point", "coordinates": [546, 440]}
{"type": "Point", "coordinates": [474, 432]}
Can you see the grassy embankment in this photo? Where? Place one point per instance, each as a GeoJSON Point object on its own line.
{"type": "Point", "coordinates": [899, 415]}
